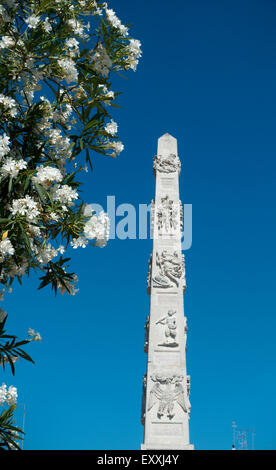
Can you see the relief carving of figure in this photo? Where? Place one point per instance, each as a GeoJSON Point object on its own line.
{"type": "Point", "coordinates": [171, 270]}
{"type": "Point", "coordinates": [170, 329]}
{"type": "Point", "coordinates": [166, 215]}
{"type": "Point", "coordinates": [167, 390]}
{"type": "Point", "coordinates": [169, 164]}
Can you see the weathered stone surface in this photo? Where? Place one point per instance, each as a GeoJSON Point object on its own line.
{"type": "Point", "coordinates": [166, 385]}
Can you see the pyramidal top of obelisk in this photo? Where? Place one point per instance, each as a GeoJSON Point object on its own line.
{"type": "Point", "coordinates": [166, 144]}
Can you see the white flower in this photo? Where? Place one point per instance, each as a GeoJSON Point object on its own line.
{"type": "Point", "coordinates": [115, 22]}
{"type": "Point", "coordinates": [69, 287]}
{"type": "Point", "coordinates": [11, 397]}
{"type": "Point", "coordinates": [73, 45]}
{"type": "Point", "coordinates": [31, 80]}
{"type": "Point", "coordinates": [18, 270]}
{"type": "Point", "coordinates": [34, 230]}
{"type": "Point", "coordinates": [46, 254]}
{"type": "Point", "coordinates": [3, 393]}
{"type": "Point", "coordinates": [79, 242]}
{"type": "Point", "coordinates": [109, 94]}
{"type": "Point", "coordinates": [118, 147]}
{"type": "Point", "coordinates": [64, 194]}
{"type": "Point", "coordinates": [47, 25]}
{"type": "Point", "coordinates": [4, 145]}
{"type": "Point", "coordinates": [46, 175]}
{"type": "Point", "coordinates": [8, 104]}
{"type": "Point", "coordinates": [134, 53]}
{"type": "Point", "coordinates": [63, 114]}
{"type": "Point", "coordinates": [78, 27]}
{"type": "Point", "coordinates": [111, 127]}
{"type": "Point", "coordinates": [61, 144]}
{"type": "Point", "coordinates": [35, 335]}
{"type": "Point", "coordinates": [25, 206]}
{"type": "Point", "coordinates": [4, 16]}
{"type": "Point", "coordinates": [6, 42]}
{"type": "Point", "coordinates": [69, 69]}
{"type": "Point", "coordinates": [6, 247]}
{"type": "Point", "coordinates": [44, 121]}
{"type": "Point", "coordinates": [32, 21]}
{"type": "Point", "coordinates": [11, 3]}
{"type": "Point", "coordinates": [101, 61]}
{"type": "Point", "coordinates": [97, 228]}
{"type": "Point", "coordinates": [12, 167]}
{"type": "Point", "coordinates": [54, 216]}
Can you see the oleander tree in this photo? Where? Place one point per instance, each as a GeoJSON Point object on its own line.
{"type": "Point", "coordinates": [57, 60]}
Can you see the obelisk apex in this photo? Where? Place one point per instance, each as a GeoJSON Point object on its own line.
{"type": "Point", "coordinates": [166, 144]}
{"type": "Point", "coordinates": [166, 386]}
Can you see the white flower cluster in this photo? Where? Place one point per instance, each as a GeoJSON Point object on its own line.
{"type": "Point", "coordinates": [6, 42]}
{"type": "Point", "coordinates": [8, 395]}
{"type": "Point", "coordinates": [34, 335]}
{"type": "Point", "coordinates": [46, 25]}
{"type": "Point", "coordinates": [9, 104]}
{"type": "Point", "coordinates": [134, 53]}
{"type": "Point", "coordinates": [117, 147]}
{"type": "Point", "coordinates": [79, 242]}
{"type": "Point", "coordinates": [25, 206]}
{"type": "Point", "coordinates": [4, 15]}
{"type": "Point", "coordinates": [78, 28]}
{"type": "Point", "coordinates": [64, 194]}
{"type": "Point", "coordinates": [69, 287]}
{"type": "Point", "coordinates": [134, 48]}
{"type": "Point", "coordinates": [12, 167]}
{"type": "Point", "coordinates": [45, 175]}
{"type": "Point", "coordinates": [61, 144]}
{"type": "Point", "coordinates": [111, 127]}
{"type": "Point", "coordinates": [17, 270]}
{"type": "Point", "coordinates": [72, 45]}
{"type": "Point", "coordinates": [44, 122]}
{"type": "Point", "coordinates": [108, 95]}
{"type": "Point", "coordinates": [115, 21]}
{"type": "Point", "coordinates": [97, 228]}
{"type": "Point", "coordinates": [50, 147]}
{"type": "Point", "coordinates": [30, 79]}
{"type": "Point", "coordinates": [63, 114]}
{"type": "Point", "coordinates": [69, 69]}
{"type": "Point", "coordinates": [32, 21]}
{"type": "Point", "coordinates": [4, 145]}
{"type": "Point", "coordinates": [101, 61]}
{"type": "Point", "coordinates": [46, 254]}
{"type": "Point", "coordinates": [6, 248]}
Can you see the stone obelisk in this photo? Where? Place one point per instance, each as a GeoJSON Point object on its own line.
{"type": "Point", "coordinates": [166, 387]}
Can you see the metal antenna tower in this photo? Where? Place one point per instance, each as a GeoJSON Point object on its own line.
{"type": "Point", "coordinates": [240, 438]}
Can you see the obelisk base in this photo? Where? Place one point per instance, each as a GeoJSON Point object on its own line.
{"type": "Point", "coordinates": [166, 447]}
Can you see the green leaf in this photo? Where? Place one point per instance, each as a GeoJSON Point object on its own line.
{"type": "Point", "coordinates": [42, 192]}
{"type": "Point", "coordinates": [10, 185]}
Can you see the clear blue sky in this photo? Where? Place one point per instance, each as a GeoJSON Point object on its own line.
{"type": "Point", "coordinates": [208, 77]}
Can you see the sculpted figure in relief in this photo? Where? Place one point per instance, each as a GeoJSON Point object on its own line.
{"type": "Point", "coordinates": [170, 329]}
{"type": "Point", "coordinates": [171, 270]}
{"type": "Point", "coordinates": [166, 215]}
{"type": "Point", "coordinates": [169, 164]}
{"type": "Point", "coordinates": [167, 390]}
